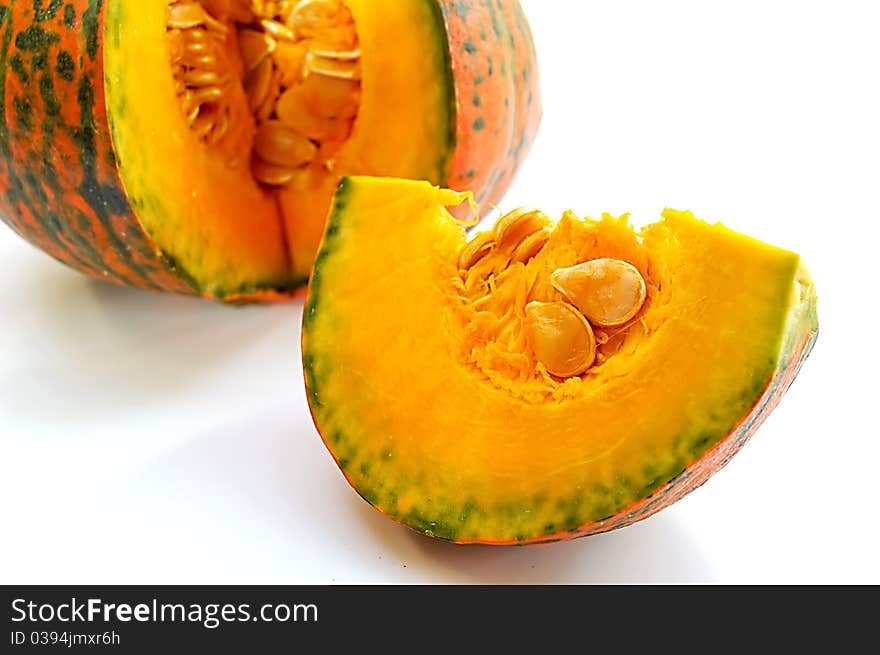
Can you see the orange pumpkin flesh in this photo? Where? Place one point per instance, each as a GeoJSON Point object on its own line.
{"type": "Point", "coordinates": [425, 388]}
{"type": "Point", "coordinates": [106, 169]}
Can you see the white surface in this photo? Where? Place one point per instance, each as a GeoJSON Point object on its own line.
{"type": "Point", "coordinates": [161, 439]}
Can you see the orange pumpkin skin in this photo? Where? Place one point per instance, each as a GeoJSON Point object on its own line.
{"type": "Point", "coordinates": [495, 67]}
{"type": "Point", "coordinates": [61, 186]}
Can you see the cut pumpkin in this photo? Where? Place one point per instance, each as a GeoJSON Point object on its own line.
{"type": "Point", "coordinates": [195, 145]}
{"type": "Point", "coordinates": [454, 389]}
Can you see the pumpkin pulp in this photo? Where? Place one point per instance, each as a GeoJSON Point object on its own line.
{"type": "Point", "coordinates": [231, 137]}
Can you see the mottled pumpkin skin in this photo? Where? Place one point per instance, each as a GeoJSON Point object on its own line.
{"type": "Point", "coordinates": [498, 94]}
{"type": "Point", "coordinates": [60, 186]}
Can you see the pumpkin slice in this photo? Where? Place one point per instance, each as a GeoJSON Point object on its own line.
{"type": "Point", "coordinates": [195, 145]}
{"type": "Point", "coordinates": [542, 381]}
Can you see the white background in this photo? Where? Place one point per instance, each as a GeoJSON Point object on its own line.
{"type": "Point", "coordinates": [151, 439]}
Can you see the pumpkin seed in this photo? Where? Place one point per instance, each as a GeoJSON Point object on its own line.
{"type": "Point", "coordinates": [271, 174]}
{"type": "Point", "coordinates": [219, 9]}
{"type": "Point", "coordinates": [560, 337]}
{"type": "Point", "coordinates": [290, 59]}
{"type": "Point", "coordinates": [327, 51]}
{"type": "Point", "coordinates": [311, 14]}
{"type": "Point", "coordinates": [278, 144]}
{"type": "Point", "coordinates": [294, 112]}
{"type": "Point", "coordinates": [513, 227]}
{"type": "Point", "coordinates": [331, 97]}
{"type": "Point", "coordinates": [199, 78]}
{"type": "Point", "coordinates": [258, 84]}
{"type": "Point", "coordinates": [531, 245]}
{"type": "Point", "coordinates": [184, 15]}
{"type": "Point", "coordinates": [609, 292]}
{"type": "Point", "coordinates": [254, 47]}
{"type": "Point", "coordinates": [196, 47]}
{"type": "Point", "coordinates": [267, 107]}
{"type": "Point", "coordinates": [278, 30]}
{"type": "Point", "coordinates": [477, 248]}
{"type": "Point", "coordinates": [207, 94]}
{"type": "Point", "coordinates": [346, 70]}
{"type": "Point", "coordinates": [215, 27]}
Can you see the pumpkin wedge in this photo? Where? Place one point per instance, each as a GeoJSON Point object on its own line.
{"type": "Point", "coordinates": [543, 380]}
{"type": "Point", "coordinates": [195, 145]}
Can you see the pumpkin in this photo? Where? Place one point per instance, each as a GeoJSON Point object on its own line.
{"type": "Point", "coordinates": [194, 146]}
{"type": "Point", "coordinates": [543, 380]}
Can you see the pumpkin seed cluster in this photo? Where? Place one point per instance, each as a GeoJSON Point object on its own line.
{"type": "Point", "coordinates": [291, 69]}
{"type": "Point", "coordinates": [599, 293]}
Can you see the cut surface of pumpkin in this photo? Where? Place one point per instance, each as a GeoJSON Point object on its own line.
{"type": "Point", "coordinates": [481, 396]}
{"type": "Point", "coordinates": [275, 100]}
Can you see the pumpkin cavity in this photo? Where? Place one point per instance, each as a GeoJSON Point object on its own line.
{"type": "Point", "coordinates": [545, 307]}
{"type": "Point", "coordinates": [276, 82]}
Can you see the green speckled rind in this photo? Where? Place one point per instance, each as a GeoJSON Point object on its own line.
{"type": "Point", "coordinates": [59, 186]}
{"type": "Point", "coordinates": [494, 67]}
{"type": "Point", "coordinates": [313, 299]}
{"type": "Point", "coordinates": [801, 335]}
{"type": "Point", "coordinates": [630, 494]}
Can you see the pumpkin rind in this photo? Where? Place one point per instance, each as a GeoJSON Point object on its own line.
{"type": "Point", "coordinates": [494, 64]}
{"type": "Point", "coordinates": [496, 471]}
{"type": "Point", "coordinates": [59, 184]}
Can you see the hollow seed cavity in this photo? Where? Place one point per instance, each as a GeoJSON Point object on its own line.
{"type": "Point", "coordinates": [286, 48]}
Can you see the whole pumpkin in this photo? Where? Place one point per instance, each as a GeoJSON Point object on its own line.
{"type": "Point", "coordinates": [193, 146]}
